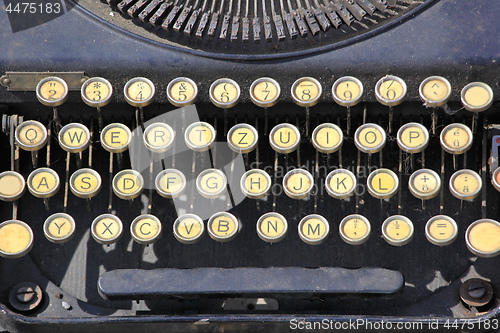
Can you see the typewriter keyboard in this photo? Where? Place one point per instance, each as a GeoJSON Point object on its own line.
{"type": "Point", "coordinates": [129, 204]}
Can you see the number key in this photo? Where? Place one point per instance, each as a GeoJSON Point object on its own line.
{"type": "Point", "coordinates": [182, 91]}
{"type": "Point", "coordinates": [306, 91]}
{"type": "Point", "coordinates": [139, 92]}
{"type": "Point", "coordinates": [390, 90]}
{"type": "Point", "coordinates": [225, 93]}
{"type": "Point", "coordinates": [265, 92]}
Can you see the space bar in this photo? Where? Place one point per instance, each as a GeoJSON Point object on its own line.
{"type": "Point", "coordinates": [246, 282]}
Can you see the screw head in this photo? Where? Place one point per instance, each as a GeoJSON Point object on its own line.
{"type": "Point", "coordinates": [25, 294]}
{"type": "Point", "coordinates": [476, 290]}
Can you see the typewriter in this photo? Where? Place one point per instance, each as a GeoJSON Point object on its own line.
{"type": "Point", "coordinates": [237, 165]}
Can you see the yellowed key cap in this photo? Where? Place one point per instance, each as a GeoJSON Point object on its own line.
{"type": "Point", "coordinates": [199, 136]}
{"type": "Point", "coordinates": [390, 90]}
{"type": "Point", "coordinates": [225, 93]}
{"type": "Point", "coordinates": [327, 138]}
{"type": "Point", "coordinates": [413, 138]}
{"type": "Point", "coordinates": [495, 179]}
{"type": "Point", "coordinates": [477, 97]}
{"type": "Point", "coordinates": [182, 91]}
{"type": "Point", "coordinates": [116, 138]}
{"type": "Point", "coordinates": [159, 137]}
{"type": "Point", "coordinates": [272, 227]}
{"type": "Point", "coordinates": [347, 91]}
{"type": "Point", "coordinates": [43, 182]}
{"type": "Point", "coordinates": [52, 91]}
{"type": "Point", "coordinates": [128, 184]}
{"type": "Point", "coordinates": [106, 229]}
{"type": "Point", "coordinates": [242, 138]}
{"type": "Point", "coordinates": [456, 138]}
{"type": "Point", "coordinates": [483, 238]}
{"type": "Point", "coordinates": [306, 91]}
{"type": "Point", "coordinates": [211, 183]}
{"type": "Point", "coordinates": [145, 229]}
{"type": "Point", "coordinates": [170, 183]}
{"type": "Point", "coordinates": [31, 135]}
{"type": "Point", "coordinates": [265, 92]}
{"type": "Point", "coordinates": [370, 138]}
{"type": "Point", "coordinates": [355, 229]}
{"type": "Point", "coordinates": [424, 184]}
{"type": "Point", "coordinates": [298, 183]}
{"type": "Point", "coordinates": [441, 230]}
{"type": "Point", "coordinates": [188, 228]}
{"type": "Point", "coordinates": [341, 183]}
{"type": "Point", "coordinates": [382, 183]}
{"type": "Point", "coordinates": [223, 226]}
{"type": "Point", "coordinates": [59, 228]}
{"type": "Point", "coordinates": [139, 92]}
{"type": "Point", "coordinates": [465, 184]}
{"type": "Point", "coordinates": [314, 229]}
{"type": "Point", "coordinates": [284, 138]}
{"type": "Point", "coordinates": [255, 183]}
{"type": "Point", "coordinates": [97, 92]}
{"type": "Point", "coordinates": [435, 91]}
{"type": "Point", "coordinates": [16, 239]}
{"type": "Point", "coordinates": [85, 183]}
{"type": "Point", "coordinates": [74, 137]}
{"type": "Point", "coordinates": [12, 186]}
{"type": "Point", "coordinates": [397, 230]}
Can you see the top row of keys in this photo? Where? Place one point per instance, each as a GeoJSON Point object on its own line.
{"type": "Point", "coordinates": [225, 93]}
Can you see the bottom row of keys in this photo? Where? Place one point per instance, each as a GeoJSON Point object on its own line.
{"type": "Point", "coordinates": [482, 237]}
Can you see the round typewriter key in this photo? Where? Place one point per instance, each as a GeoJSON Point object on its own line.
{"type": "Point", "coordinates": [272, 227]}
{"type": "Point", "coordinates": [355, 229]}
{"type": "Point", "coordinates": [390, 90]}
{"type": "Point", "coordinates": [347, 91]}
{"type": "Point", "coordinates": [12, 186]}
{"type": "Point", "coordinates": [340, 183]}
{"type": "Point", "coordinates": [211, 183]}
{"type": "Point", "coordinates": [477, 97]}
{"type": "Point", "coordinates": [139, 92]}
{"type": "Point", "coordinates": [441, 230]}
{"type": "Point", "coordinates": [223, 226]}
{"type": "Point", "coordinates": [265, 92]}
{"type": "Point", "coordinates": [327, 138]}
{"type": "Point", "coordinates": [255, 183]}
{"type": "Point", "coordinates": [16, 239]}
{"type": "Point", "coordinates": [188, 228]}
{"type": "Point", "coordinates": [106, 229]}
{"type": "Point", "coordinates": [456, 138]}
{"type": "Point", "coordinates": [495, 179]}
{"type": "Point", "coordinates": [465, 184]}
{"type": "Point", "coordinates": [413, 138]}
{"type": "Point", "coordinates": [85, 183]}
{"type": "Point", "coordinates": [242, 138]}
{"type": "Point", "coordinates": [74, 137]}
{"type": "Point", "coordinates": [59, 228]}
{"type": "Point", "coordinates": [52, 91]}
{"type": "Point", "coordinates": [145, 229]}
{"type": "Point", "coordinates": [31, 135]}
{"type": "Point", "coordinates": [284, 138]}
{"type": "Point", "coordinates": [313, 229]}
{"type": "Point", "coordinates": [397, 230]}
{"type": "Point", "coordinates": [298, 183]}
{"type": "Point", "coordinates": [170, 183]}
{"type": "Point", "coordinates": [199, 136]}
{"type": "Point", "coordinates": [424, 184]}
{"type": "Point", "coordinates": [370, 138]}
{"type": "Point", "coordinates": [159, 137]}
{"type": "Point", "coordinates": [483, 238]}
{"type": "Point", "coordinates": [128, 184]}
{"type": "Point", "coordinates": [182, 91]}
{"type": "Point", "coordinates": [97, 92]}
{"type": "Point", "coordinates": [43, 182]}
{"type": "Point", "coordinates": [225, 93]}
{"type": "Point", "coordinates": [382, 183]}
{"type": "Point", "coordinates": [306, 91]}
{"type": "Point", "coordinates": [435, 91]}
{"type": "Point", "coordinates": [115, 138]}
